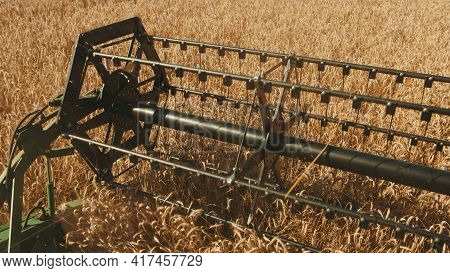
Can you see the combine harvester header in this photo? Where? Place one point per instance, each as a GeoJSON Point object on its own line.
{"type": "Point", "coordinates": [260, 121]}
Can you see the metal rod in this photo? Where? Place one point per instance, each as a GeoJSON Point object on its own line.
{"type": "Point", "coordinates": [307, 59]}
{"type": "Point", "coordinates": [270, 70]}
{"type": "Point", "coordinates": [362, 216]}
{"type": "Point", "coordinates": [320, 117]}
{"type": "Point", "coordinates": [165, 201]}
{"type": "Point", "coordinates": [393, 170]}
{"type": "Point", "coordinates": [241, 144]}
{"type": "Point", "coordinates": [50, 187]}
{"type": "Point", "coordinates": [306, 88]}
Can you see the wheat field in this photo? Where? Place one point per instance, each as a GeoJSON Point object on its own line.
{"type": "Point", "coordinates": [36, 42]}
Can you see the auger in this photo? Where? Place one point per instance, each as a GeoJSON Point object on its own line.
{"type": "Point", "coordinates": [131, 107]}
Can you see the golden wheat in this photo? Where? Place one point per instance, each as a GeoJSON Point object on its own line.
{"type": "Point", "coordinates": [36, 41]}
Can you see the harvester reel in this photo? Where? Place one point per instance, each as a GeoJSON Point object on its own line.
{"type": "Point", "coordinates": [271, 108]}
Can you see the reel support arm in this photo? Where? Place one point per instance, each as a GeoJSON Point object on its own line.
{"type": "Point", "coordinates": [34, 140]}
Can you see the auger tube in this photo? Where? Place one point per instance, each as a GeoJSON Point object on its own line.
{"type": "Point", "coordinates": [397, 171]}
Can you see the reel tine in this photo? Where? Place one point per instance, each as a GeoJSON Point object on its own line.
{"type": "Point", "coordinates": [299, 64]}
{"type": "Point", "coordinates": [320, 70]}
{"type": "Point", "coordinates": [372, 77]}
{"type": "Point", "coordinates": [202, 106]}
{"type": "Point", "coordinates": [399, 79]}
{"type": "Point", "coordinates": [345, 73]}
{"type": "Point", "coordinates": [201, 51]}
{"type": "Point", "coordinates": [425, 117]}
{"type": "Point", "coordinates": [428, 83]}
{"type": "Point", "coordinates": [255, 198]}
{"type": "Point", "coordinates": [366, 133]}
{"type": "Point", "coordinates": [438, 149]}
{"type": "Point", "coordinates": [356, 104]}
{"type": "Point", "coordinates": [390, 110]}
